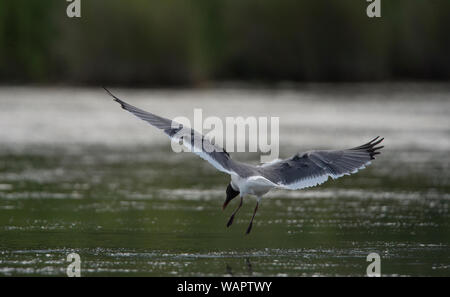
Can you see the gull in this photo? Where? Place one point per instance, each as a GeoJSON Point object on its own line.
{"type": "Point", "coordinates": [302, 170]}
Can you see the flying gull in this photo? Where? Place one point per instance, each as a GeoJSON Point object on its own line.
{"type": "Point", "coordinates": [303, 170]}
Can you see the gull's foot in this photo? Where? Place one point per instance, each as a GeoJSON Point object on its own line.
{"type": "Point", "coordinates": [230, 221]}
{"type": "Point", "coordinates": [249, 228]}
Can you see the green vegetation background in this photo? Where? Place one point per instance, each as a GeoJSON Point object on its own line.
{"type": "Point", "coordinates": [182, 42]}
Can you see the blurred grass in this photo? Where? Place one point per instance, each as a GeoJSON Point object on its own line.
{"type": "Point", "coordinates": [193, 42]}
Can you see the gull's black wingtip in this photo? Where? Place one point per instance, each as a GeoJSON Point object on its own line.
{"type": "Point", "coordinates": [111, 94]}
{"type": "Point", "coordinates": [122, 103]}
{"type": "Point", "coordinates": [371, 147]}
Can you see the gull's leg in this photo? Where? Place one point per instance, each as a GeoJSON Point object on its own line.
{"type": "Point", "coordinates": [230, 221]}
{"type": "Point", "coordinates": [254, 213]}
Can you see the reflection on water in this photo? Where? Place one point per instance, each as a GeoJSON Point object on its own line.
{"type": "Point", "coordinates": [248, 265]}
{"type": "Point", "coordinates": [82, 176]}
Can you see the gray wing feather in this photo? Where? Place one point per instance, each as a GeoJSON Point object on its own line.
{"type": "Point", "coordinates": [315, 167]}
{"type": "Point", "coordinates": [195, 141]}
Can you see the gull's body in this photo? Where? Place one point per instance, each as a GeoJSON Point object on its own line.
{"type": "Point", "coordinates": [250, 186]}
{"type": "Point", "coordinates": [302, 170]}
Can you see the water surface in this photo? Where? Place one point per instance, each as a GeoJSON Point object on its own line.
{"type": "Point", "coordinates": [78, 174]}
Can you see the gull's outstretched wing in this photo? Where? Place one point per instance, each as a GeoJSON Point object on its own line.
{"type": "Point", "coordinates": [190, 138]}
{"type": "Point", "coordinates": [313, 168]}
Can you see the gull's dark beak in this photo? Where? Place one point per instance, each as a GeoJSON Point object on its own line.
{"type": "Point", "coordinates": [231, 193]}
{"type": "Point", "coordinates": [226, 203]}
